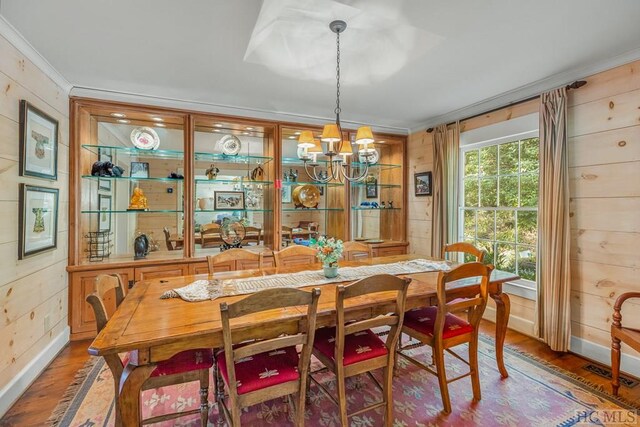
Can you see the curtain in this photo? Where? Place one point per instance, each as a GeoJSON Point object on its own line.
{"type": "Point", "coordinates": [444, 225]}
{"type": "Point", "coordinates": [554, 278]}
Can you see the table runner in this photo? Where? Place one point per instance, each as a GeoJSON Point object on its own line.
{"type": "Point", "coordinates": [202, 290]}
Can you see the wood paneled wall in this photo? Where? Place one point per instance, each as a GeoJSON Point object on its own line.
{"type": "Point", "coordinates": [420, 209]}
{"type": "Point", "coordinates": [33, 292]}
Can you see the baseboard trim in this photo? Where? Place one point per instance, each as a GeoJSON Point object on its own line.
{"type": "Point", "coordinates": [629, 364]}
{"type": "Point", "coordinates": [524, 326]}
{"type": "Point", "coordinates": [19, 384]}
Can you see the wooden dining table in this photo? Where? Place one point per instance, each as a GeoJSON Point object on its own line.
{"type": "Point", "coordinates": [158, 328]}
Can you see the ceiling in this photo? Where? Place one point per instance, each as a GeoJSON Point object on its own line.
{"type": "Point", "coordinates": [404, 63]}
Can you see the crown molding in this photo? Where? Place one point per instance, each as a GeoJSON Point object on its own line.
{"type": "Point", "coordinates": [530, 90]}
{"type": "Point", "coordinates": [207, 107]}
{"type": "Point", "coordinates": [14, 37]}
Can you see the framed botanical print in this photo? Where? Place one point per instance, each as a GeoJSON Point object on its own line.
{"type": "Point", "coordinates": [228, 200]}
{"type": "Point", "coordinates": [38, 220]}
{"type": "Point", "coordinates": [139, 170]}
{"type": "Point", "coordinates": [286, 194]}
{"type": "Point", "coordinates": [38, 143]}
{"type": "Point", "coordinates": [423, 186]}
{"type": "Point", "coordinates": [371, 187]}
{"type": "Point", "coordinates": [104, 217]}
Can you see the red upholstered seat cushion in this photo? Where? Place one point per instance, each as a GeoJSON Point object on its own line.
{"type": "Point", "coordinates": [358, 346]}
{"type": "Point", "coordinates": [185, 361]}
{"type": "Point", "coordinates": [423, 319]}
{"type": "Point", "coordinates": [262, 370]}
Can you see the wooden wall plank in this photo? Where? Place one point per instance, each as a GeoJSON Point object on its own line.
{"type": "Point", "coordinates": [501, 115]}
{"type": "Point", "coordinates": [615, 81]}
{"type": "Point", "coordinates": [611, 180]}
{"type": "Point", "coordinates": [606, 247]}
{"type": "Point", "coordinates": [602, 279]}
{"type": "Point", "coordinates": [612, 146]}
{"type": "Point", "coordinates": [613, 112]}
{"type": "Point", "coordinates": [606, 214]}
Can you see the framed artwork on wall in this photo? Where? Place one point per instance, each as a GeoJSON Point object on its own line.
{"type": "Point", "coordinates": [38, 143]}
{"type": "Point", "coordinates": [286, 194]}
{"type": "Point", "coordinates": [104, 217]}
{"type": "Point", "coordinates": [104, 156]}
{"type": "Point", "coordinates": [139, 170]}
{"type": "Point", "coordinates": [371, 187]}
{"type": "Point", "coordinates": [228, 200]}
{"type": "Point", "coordinates": [38, 220]}
{"type": "Point", "coordinates": [423, 184]}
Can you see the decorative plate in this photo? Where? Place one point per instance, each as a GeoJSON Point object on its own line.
{"type": "Point", "coordinates": [145, 138]}
{"type": "Point", "coordinates": [372, 159]}
{"type": "Point", "coordinates": [233, 233]}
{"type": "Point", "coordinates": [230, 144]}
{"type": "Point", "coordinates": [306, 195]}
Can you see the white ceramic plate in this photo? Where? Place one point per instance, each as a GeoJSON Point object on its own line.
{"type": "Point", "coordinates": [230, 144]}
{"type": "Point", "coordinates": [145, 138]}
{"type": "Point", "coordinates": [372, 159]}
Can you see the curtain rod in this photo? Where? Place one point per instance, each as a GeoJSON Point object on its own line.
{"type": "Point", "coordinates": [575, 85]}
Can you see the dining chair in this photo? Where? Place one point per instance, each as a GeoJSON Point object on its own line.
{"type": "Point", "coordinates": [210, 235]}
{"type": "Point", "coordinates": [253, 235]}
{"type": "Point", "coordinates": [437, 327]}
{"type": "Point", "coordinates": [257, 364]}
{"type": "Point", "coordinates": [619, 333]}
{"type": "Point", "coordinates": [352, 348]}
{"type": "Point", "coordinates": [287, 235]}
{"type": "Point", "coordinates": [295, 255]}
{"type": "Point", "coordinates": [464, 247]}
{"type": "Point", "coordinates": [183, 367]}
{"type": "Point", "coordinates": [353, 251]}
{"type": "Point", "coordinates": [235, 259]}
{"type": "Point", "coordinates": [174, 243]}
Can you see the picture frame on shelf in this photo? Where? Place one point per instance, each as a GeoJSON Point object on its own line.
{"type": "Point", "coordinates": [38, 143]}
{"type": "Point", "coordinates": [139, 170]}
{"type": "Point", "coordinates": [320, 189]}
{"type": "Point", "coordinates": [104, 155]}
{"type": "Point", "coordinates": [423, 183]}
{"type": "Point", "coordinates": [228, 200]}
{"type": "Point", "coordinates": [286, 194]}
{"type": "Point", "coordinates": [371, 187]}
{"type": "Point", "coordinates": [104, 217]}
{"type": "Point", "coordinates": [38, 220]}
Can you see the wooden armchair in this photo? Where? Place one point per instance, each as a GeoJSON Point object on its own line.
{"type": "Point", "coordinates": [287, 235]}
{"type": "Point", "coordinates": [464, 247]}
{"type": "Point", "coordinates": [173, 243]}
{"type": "Point", "coordinates": [210, 235]}
{"type": "Point", "coordinates": [254, 234]}
{"type": "Point", "coordinates": [354, 251]}
{"type": "Point", "coordinates": [619, 333]}
{"type": "Point", "coordinates": [234, 259]}
{"type": "Point", "coordinates": [295, 255]}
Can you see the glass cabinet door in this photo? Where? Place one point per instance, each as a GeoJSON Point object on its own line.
{"type": "Point", "coordinates": [234, 185]}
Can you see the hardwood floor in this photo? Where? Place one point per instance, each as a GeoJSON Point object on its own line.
{"type": "Point", "coordinates": [37, 403]}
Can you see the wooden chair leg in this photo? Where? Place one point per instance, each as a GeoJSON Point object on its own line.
{"type": "Point", "coordinates": [615, 365]}
{"type": "Point", "coordinates": [342, 397]}
{"type": "Point", "coordinates": [387, 373]}
{"type": "Point", "coordinates": [204, 396]}
{"type": "Point", "coordinates": [475, 373]}
{"type": "Point", "coordinates": [302, 401]}
{"type": "Point", "coordinates": [442, 379]}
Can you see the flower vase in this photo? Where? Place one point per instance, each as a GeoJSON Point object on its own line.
{"type": "Point", "coordinates": [330, 271]}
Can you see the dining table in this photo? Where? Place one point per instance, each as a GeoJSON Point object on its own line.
{"type": "Point", "coordinates": [155, 329]}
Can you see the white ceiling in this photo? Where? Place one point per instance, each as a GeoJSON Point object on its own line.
{"type": "Point", "coordinates": [418, 59]}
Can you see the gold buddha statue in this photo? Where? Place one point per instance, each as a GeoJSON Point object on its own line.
{"type": "Point", "coordinates": [138, 200]}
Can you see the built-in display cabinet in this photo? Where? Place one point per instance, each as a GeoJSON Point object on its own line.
{"type": "Point", "coordinates": [195, 184]}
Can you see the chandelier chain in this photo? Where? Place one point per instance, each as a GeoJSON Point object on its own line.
{"type": "Point", "coordinates": [338, 109]}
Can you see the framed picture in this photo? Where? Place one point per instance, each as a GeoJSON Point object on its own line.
{"type": "Point", "coordinates": [320, 189]}
{"type": "Point", "coordinates": [139, 170]}
{"type": "Point", "coordinates": [423, 185]}
{"type": "Point", "coordinates": [38, 143]}
{"type": "Point", "coordinates": [104, 217]}
{"type": "Point", "coordinates": [104, 155]}
{"type": "Point", "coordinates": [286, 194]}
{"type": "Point", "coordinates": [38, 220]}
{"type": "Point", "coordinates": [228, 200]}
{"type": "Point", "coordinates": [371, 187]}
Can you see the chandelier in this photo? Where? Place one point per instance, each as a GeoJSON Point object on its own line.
{"type": "Point", "coordinates": [336, 149]}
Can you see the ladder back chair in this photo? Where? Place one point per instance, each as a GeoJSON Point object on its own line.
{"type": "Point", "coordinates": [263, 365]}
{"type": "Point", "coordinates": [354, 251]}
{"type": "Point", "coordinates": [183, 367]}
{"type": "Point", "coordinates": [352, 348]}
{"type": "Point", "coordinates": [442, 330]}
{"type": "Point", "coordinates": [235, 259]}
{"type": "Point", "coordinates": [465, 248]}
{"type": "Point", "coordinates": [295, 255]}
{"type": "Point", "coordinates": [619, 333]}
{"type": "Point", "coordinates": [210, 235]}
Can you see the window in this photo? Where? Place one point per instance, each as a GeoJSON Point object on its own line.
{"type": "Point", "coordinates": [498, 206]}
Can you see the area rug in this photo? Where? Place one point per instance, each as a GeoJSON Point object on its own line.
{"type": "Point", "coordinates": [535, 394]}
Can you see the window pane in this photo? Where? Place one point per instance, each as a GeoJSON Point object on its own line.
{"type": "Point", "coordinates": [471, 163]}
{"type": "Point", "coordinates": [506, 259]}
{"type": "Point", "coordinates": [509, 191]}
{"type": "Point", "coordinates": [528, 227]}
{"type": "Point", "coordinates": [471, 192]}
{"type": "Point", "coordinates": [509, 158]}
{"type": "Point", "coordinates": [469, 230]}
{"type": "Point", "coordinates": [506, 226]}
{"type": "Point", "coordinates": [486, 225]}
{"type": "Point", "coordinates": [489, 160]}
{"type": "Point", "coordinates": [489, 192]}
{"type": "Point", "coordinates": [527, 262]}
{"type": "Point", "coordinates": [487, 247]}
{"type": "Point", "coordinates": [529, 190]}
{"type": "Point", "coordinates": [529, 155]}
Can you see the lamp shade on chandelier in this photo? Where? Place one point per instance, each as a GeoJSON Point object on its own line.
{"type": "Point", "coordinates": [335, 148]}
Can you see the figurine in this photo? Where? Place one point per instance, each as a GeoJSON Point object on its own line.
{"type": "Point", "coordinates": [257, 174]}
{"type": "Point", "coordinates": [174, 175]}
{"type": "Point", "coordinates": [140, 247]}
{"type": "Point", "coordinates": [390, 204]}
{"type": "Point", "coordinates": [291, 176]}
{"type": "Point", "coordinates": [106, 169]}
{"type": "Point", "coordinates": [138, 200]}
{"type": "Point", "coordinates": [212, 172]}
{"type": "Point", "coordinates": [382, 206]}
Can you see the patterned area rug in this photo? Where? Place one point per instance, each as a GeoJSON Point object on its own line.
{"type": "Point", "coordinates": [535, 394]}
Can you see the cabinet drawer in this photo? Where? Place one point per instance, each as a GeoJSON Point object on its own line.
{"type": "Point", "coordinates": [390, 250]}
{"type": "Point", "coordinates": [156, 272]}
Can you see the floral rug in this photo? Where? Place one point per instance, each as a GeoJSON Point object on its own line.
{"type": "Point", "coordinates": [535, 394]}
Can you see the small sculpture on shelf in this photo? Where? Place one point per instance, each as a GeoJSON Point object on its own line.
{"type": "Point", "coordinates": [138, 200]}
{"type": "Point", "coordinates": [175, 175]}
{"type": "Point", "coordinates": [257, 174]}
{"type": "Point", "coordinates": [212, 172]}
{"type": "Point", "coordinates": [291, 176]}
{"type": "Point", "coordinates": [106, 169]}
{"type": "Point", "coordinates": [140, 247]}
{"type": "Point", "coordinates": [382, 206]}
{"type": "Point", "coordinates": [390, 204]}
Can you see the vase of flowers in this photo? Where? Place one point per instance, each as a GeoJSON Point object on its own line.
{"type": "Point", "coordinates": [328, 251]}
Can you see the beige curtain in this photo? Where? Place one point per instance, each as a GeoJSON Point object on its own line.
{"type": "Point", "coordinates": [444, 226]}
{"type": "Point", "coordinates": [554, 317]}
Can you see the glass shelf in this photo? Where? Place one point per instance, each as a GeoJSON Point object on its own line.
{"type": "Point", "coordinates": [364, 184]}
{"type": "Point", "coordinates": [328, 184]}
{"type": "Point", "coordinates": [133, 211]}
{"type": "Point", "coordinates": [376, 166]}
{"type": "Point", "coordinates": [294, 161]}
{"type": "Point", "coordinates": [231, 181]}
{"type": "Point", "coordinates": [231, 210]}
{"type": "Point", "coordinates": [358, 208]}
{"type": "Point", "coordinates": [130, 178]}
{"type": "Point", "coordinates": [135, 152]}
{"type": "Point", "coordinates": [223, 158]}
{"type": "Point", "coordinates": [311, 209]}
